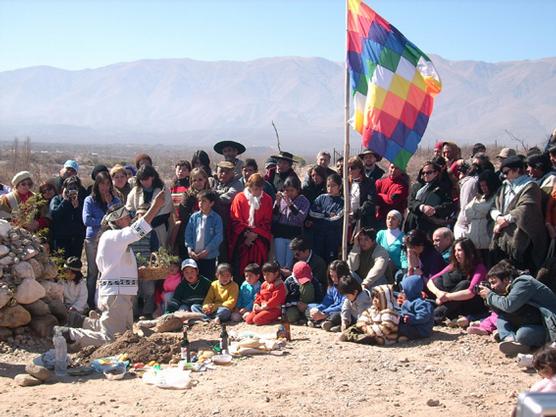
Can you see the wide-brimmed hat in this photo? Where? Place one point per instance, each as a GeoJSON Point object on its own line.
{"type": "Point", "coordinates": [222, 144]}
{"type": "Point", "coordinates": [73, 263]}
{"type": "Point", "coordinates": [284, 155]}
{"type": "Point", "coordinates": [370, 152]}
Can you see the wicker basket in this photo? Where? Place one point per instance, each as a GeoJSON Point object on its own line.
{"type": "Point", "coordinates": [153, 270]}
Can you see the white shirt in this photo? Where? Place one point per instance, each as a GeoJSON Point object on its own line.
{"type": "Point", "coordinates": [75, 295]}
{"type": "Point", "coordinates": [200, 237]}
{"type": "Point", "coordinates": [355, 196]}
{"type": "Point", "coordinates": [116, 262]}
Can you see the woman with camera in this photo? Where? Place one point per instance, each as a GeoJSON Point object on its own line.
{"type": "Point", "coordinates": [455, 287]}
{"type": "Point", "coordinates": [68, 230]}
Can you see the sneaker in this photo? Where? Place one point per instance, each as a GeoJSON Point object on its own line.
{"type": "Point", "coordinates": [311, 324]}
{"type": "Point", "coordinates": [217, 321]}
{"type": "Point", "coordinates": [326, 325]}
{"type": "Point", "coordinates": [451, 323]}
{"type": "Point", "coordinates": [335, 329]}
{"type": "Point", "coordinates": [463, 322]}
{"type": "Point", "coordinates": [511, 348]}
{"type": "Point", "coordinates": [496, 336]}
{"type": "Point", "coordinates": [477, 330]}
{"type": "Point", "coordinates": [525, 360]}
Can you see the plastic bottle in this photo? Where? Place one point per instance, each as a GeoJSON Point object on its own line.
{"type": "Point", "coordinates": [61, 348]}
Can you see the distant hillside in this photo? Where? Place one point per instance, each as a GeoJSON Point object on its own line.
{"type": "Point", "coordinates": [194, 102]}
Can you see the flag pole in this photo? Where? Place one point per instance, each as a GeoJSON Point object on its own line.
{"type": "Point", "coordinates": [347, 204]}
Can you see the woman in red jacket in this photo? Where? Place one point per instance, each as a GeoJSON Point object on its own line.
{"type": "Point", "coordinates": [392, 194]}
{"type": "Point", "coordinates": [250, 221]}
{"type": "Point", "coordinates": [269, 300]}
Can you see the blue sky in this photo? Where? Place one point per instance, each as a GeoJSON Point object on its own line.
{"type": "Point", "coordinates": [76, 34]}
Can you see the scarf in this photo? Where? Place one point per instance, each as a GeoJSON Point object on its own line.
{"type": "Point", "coordinates": [392, 235]}
{"type": "Point", "coordinates": [421, 192]}
{"type": "Point", "coordinates": [254, 204]}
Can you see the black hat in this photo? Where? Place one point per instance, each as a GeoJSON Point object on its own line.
{"type": "Point", "coordinates": [284, 155]}
{"type": "Point", "coordinates": [513, 162]}
{"type": "Point", "coordinates": [370, 152]}
{"type": "Point", "coordinates": [221, 145]}
{"type": "Point", "coordinates": [73, 263]}
{"type": "Point", "coordinates": [98, 169]}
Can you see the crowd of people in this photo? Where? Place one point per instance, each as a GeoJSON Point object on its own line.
{"type": "Point", "coordinates": [467, 243]}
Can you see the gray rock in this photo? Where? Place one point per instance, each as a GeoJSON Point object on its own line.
{"type": "Point", "coordinates": [42, 326]}
{"type": "Point", "coordinates": [58, 309]}
{"type": "Point", "coordinates": [14, 316]}
{"type": "Point", "coordinates": [24, 270]}
{"type": "Point", "coordinates": [4, 250]}
{"type": "Point", "coordinates": [38, 269]}
{"type": "Point", "coordinates": [24, 380]}
{"type": "Point", "coordinates": [54, 291]}
{"type": "Point", "coordinates": [5, 295]}
{"type": "Point", "coordinates": [39, 372]}
{"type": "Point", "coordinates": [38, 308]}
{"type": "Point", "coordinates": [5, 333]}
{"type": "Point", "coordinates": [29, 291]}
{"type": "Point", "coordinates": [29, 252]}
{"type": "Point", "coordinates": [50, 271]}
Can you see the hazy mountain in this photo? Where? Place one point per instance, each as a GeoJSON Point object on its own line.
{"type": "Point", "coordinates": [182, 100]}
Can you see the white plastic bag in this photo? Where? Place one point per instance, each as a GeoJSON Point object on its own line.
{"type": "Point", "coordinates": [169, 378]}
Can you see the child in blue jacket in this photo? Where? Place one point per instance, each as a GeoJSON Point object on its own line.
{"type": "Point", "coordinates": [327, 314]}
{"type": "Point", "coordinates": [204, 234]}
{"type": "Point", "coordinates": [416, 316]}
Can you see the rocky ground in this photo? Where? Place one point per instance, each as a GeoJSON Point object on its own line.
{"type": "Point", "coordinates": [451, 374]}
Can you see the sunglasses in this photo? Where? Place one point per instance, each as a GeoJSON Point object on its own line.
{"type": "Point", "coordinates": [428, 172]}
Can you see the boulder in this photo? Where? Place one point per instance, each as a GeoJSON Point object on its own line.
{"type": "Point", "coordinates": [38, 308]}
{"type": "Point", "coordinates": [29, 291]}
{"type": "Point", "coordinates": [25, 380]}
{"type": "Point", "coordinates": [50, 271]}
{"type": "Point", "coordinates": [42, 326]}
{"type": "Point", "coordinates": [4, 250]}
{"type": "Point", "coordinates": [58, 309]}
{"type": "Point", "coordinates": [14, 316]}
{"type": "Point", "coordinates": [5, 333]}
{"type": "Point", "coordinates": [54, 291]}
{"type": "Point", "coordinates": [38, 269]}
{"type": "Point", "coordinates": [7, 260]}
{"type": "Point", "coordinates": [5, 295]}
{"type": "Point", "coordinates": [23, 270]}
{"type": "Point", "coordinates": [5, 228]}
{"type": "Point", "coordinates": [39, 372]}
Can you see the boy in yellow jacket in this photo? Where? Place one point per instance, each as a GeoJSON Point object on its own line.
{"type": "Point", "coordinates": [221, 297]}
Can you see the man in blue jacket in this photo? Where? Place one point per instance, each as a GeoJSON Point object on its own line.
{"type": "Point", "coordinates": [526, 309]}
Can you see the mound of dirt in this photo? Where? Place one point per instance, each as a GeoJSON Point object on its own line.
{"type": "Point", "coordinates": [159, 347]}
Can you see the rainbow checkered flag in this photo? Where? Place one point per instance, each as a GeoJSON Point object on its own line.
{"type": "Point", "coordinates": [392, 85]}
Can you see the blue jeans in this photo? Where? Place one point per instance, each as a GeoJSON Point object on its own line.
{"type": "Point", "coordinates": [223, 313]}
{"type": "Point", "coordinates": [284, 255]}
{"type": "Point", "coordinates": [533, 335]}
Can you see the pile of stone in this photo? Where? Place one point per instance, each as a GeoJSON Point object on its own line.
{"type": "Point", "coordinates": [29, 293]}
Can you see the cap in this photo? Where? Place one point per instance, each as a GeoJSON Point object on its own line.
{"type": "Point", "coordinates": [20, 176]}
{"type": "Point", "coordinates": [226, 165]}
{"type": "Point", "coordinates": [70, 163]}
{"type": "Point", "coordinates": [73, 263]}
{"type": "Point", "coordinates": [513, 162]}
{"type": "Point", "coordinates": [506, 152]}
{"type": "Point", "coordinates": [189, 263]}
{"type": "Point", "coordinates": [302, 272]}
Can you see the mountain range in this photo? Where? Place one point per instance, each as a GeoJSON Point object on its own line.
{"type": "Point", "coordinates": [196, 102]}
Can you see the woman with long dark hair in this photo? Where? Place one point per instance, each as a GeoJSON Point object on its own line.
{"type": "Point", "coordinates": [95, 207]}
{"type": "Point", "coordinates": [201, 159]}
{"type": "Point", "coordinates": [454, 286]}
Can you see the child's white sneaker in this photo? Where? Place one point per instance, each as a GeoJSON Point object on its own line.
{"type": "Point", "coordinates": [524, 360]}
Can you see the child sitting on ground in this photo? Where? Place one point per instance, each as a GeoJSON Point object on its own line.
{"type": "Point", "coordinates": [247, 292]}
{"type": "Point", "coordinates": [271, 297]}
{"type": "Point", "coordinates": [327, 314]}
{"type": "Point", "coordinates": [417, 314]}
{"type": "Point", "coordinates": [357, 300]}
{"type": "Point", "coordinates": [191, 291]}
{"type": "Point", "coordinates": [221, 298]}
{"type": "Point", "coordinates": [544, 362]}
{"type": "Point", "coordinates": [75, 287]}
{"type": "Point", "coordinates": [170, 284]}
{"type": "Point", "coordinates": [378, 325]}
{"type": "Point", "coordinates": [301, 292]}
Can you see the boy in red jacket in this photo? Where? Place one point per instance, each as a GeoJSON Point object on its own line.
{"type": "Point", "coordinates": [392, 193]}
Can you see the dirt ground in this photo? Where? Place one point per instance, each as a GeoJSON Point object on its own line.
{"type": "Point", "coordinates": [318, 376]}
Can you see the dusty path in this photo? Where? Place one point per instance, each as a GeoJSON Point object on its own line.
{"type": "Point", "coordinates": [319, 377]}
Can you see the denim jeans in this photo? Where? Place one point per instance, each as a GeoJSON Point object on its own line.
{"type": "Point", "coordinates": [91, 246]}
{"type": "Point", "coordinates": [533, 335]}
{"type": "Point", "coordinates": [223, 313]}
{"type": "Point", "coordinates": [284, 255]}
